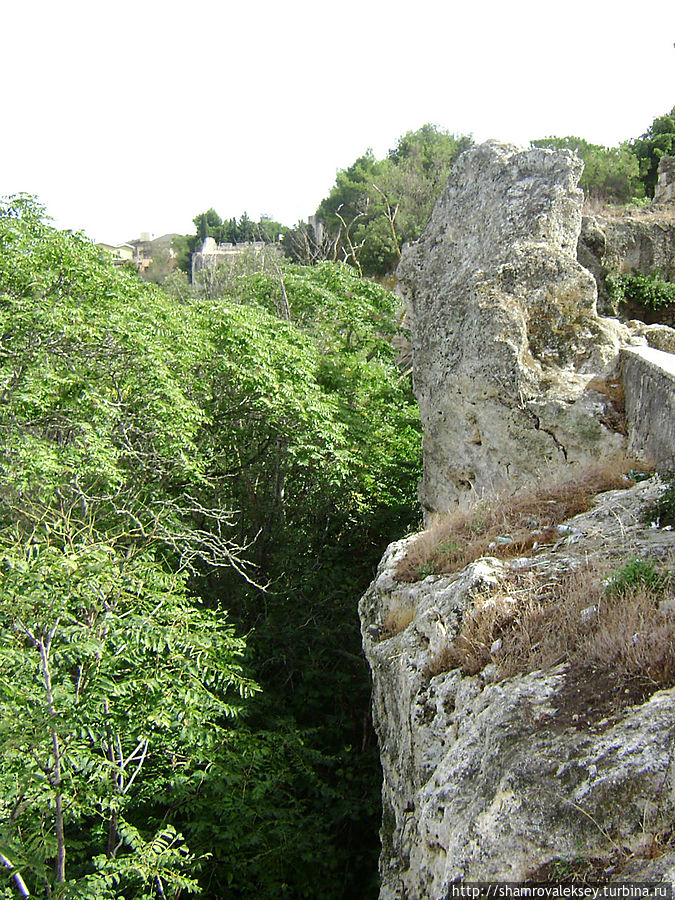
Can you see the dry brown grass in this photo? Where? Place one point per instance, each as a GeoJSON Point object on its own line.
{"type": "Point", "coordinates": [594, 206]}
{"type": "Point", "coordinates": [509, 525]}
{"type": "Point", "coordinates": [533, 623]}
{"type": "Point", "coordinates": [397, 620]}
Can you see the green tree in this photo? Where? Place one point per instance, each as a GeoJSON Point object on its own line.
{"type": "Point", "coordinates": [185, 245]}
{"type": "Point", "coordinates": [209, 224]}
{"type": "Point", "coordinates": [657, 141]}
{"type": "Point", "coordinates": [376, 206]}
{"type": "Point", "coordinates": [101, 475]}
{"type": "Point", "coordinates": [611, 174]}
{"type": "Point", "coordinates": [108, 674]}
{"type": "Point", "coordinates": [156, 452]}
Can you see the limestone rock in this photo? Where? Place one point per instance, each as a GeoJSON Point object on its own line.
{"type": "Point", "coordinates": [664, 193]}
{"type": "Point", "coordinates": [660, 337]}
{"type": "Point", "coordinates": [640, 241]}
{"type": "Point", "coordinates": [511, 361]}
{"type": "Point", "coordinates": [488, 779]}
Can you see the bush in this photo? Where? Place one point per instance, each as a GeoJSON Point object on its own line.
{"type": "Point", "coordinates": [650, 291]}
{"type": "Point", "coordinates": [634, 574]}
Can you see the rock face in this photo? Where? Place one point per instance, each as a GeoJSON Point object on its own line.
{"type": "Point", "coordinates": [640, 241]}
{"type": "Point", "coordinates": [514, 371]}
{"type": "Point", "coordinates": [488, 779]}
{"type": "Point", "coordinates": [665, 186]}
{"type": "Point", "coordinates": [637, 240]}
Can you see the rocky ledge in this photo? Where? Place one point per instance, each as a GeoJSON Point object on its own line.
{"type": "Point", "coordinates": [519, 777]}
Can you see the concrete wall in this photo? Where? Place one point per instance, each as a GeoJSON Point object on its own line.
{"type": "Point", "coordinates": [648, 377]}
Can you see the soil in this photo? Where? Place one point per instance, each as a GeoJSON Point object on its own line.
{"type": "Point", "coordinates": [593, 699]}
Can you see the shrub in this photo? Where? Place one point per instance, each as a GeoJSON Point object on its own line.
{"type": "Point", "coordinates": [636, 573]}
{"type": "Point", "coordinates": [650, 291]}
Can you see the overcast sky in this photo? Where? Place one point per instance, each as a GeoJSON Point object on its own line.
{"type": "Point", "coordinates": [137, 115]}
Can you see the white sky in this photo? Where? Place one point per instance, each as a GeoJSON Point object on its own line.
{"type": "Point", "coordinates": [136, 115]}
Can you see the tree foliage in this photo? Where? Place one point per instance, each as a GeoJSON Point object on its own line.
{"type": "Point", "coordinates": [610, 175]}
{"type": "Point", "coordinates": [376, 206]}
{"type": "Point", "coordinates": [657, 141]}
{"type": "Point", "coordinates": [174, 471]}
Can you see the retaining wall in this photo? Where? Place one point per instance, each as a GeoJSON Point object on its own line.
{"type": "Point", "coordinates": [648, 377]}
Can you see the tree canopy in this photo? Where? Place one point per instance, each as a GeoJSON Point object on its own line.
{"type": "Point", "coordinates": [611, 174]}
{"type": "Point", "coordinates": [177, 472]}
{"type": "Point", "coordinates": [376, 206]}
{"type": "Point", "coordinates": [657, 141]}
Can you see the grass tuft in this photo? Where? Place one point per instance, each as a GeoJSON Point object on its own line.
{"type": "Point", "coordinates": [509, 525]}
{"type": "Point", "coordinates": [591, 619]}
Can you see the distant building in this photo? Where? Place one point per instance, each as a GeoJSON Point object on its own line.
{"type": "Point", "coordinates": [212, 253]}
{"type": "Point", "coordinates": [141, 250]}
{"type": "Point", "coordinates": [119, 252]}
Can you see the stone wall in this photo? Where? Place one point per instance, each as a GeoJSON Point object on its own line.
{"type": "Point", "coordinates": [648, 377]}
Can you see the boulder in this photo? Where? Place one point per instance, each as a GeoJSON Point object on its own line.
{"type": "Point", "coordinates": [514, 370]}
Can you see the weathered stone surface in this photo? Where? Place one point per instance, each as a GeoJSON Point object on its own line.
{"type": "Point", "coordinates": [492, 780]}
{"type": "Point", "coordinates": [513, 368]}
{"type": "Point", "coordinates": [664, 193]}
{"type": "Point", "coordinates": [648, 376]}
{"type": "Point", "coordinates": [660, 337]}
{"type": "Point", "coordinates": [637, 241]}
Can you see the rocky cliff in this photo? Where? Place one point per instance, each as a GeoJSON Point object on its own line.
{"type": "Point", "coordinates": [551, 770]}
{"type": "Point", "coordinates": [634, 240]}
{"type": "Point", "coordinates": [523, 704]}
{"type": "Point", "coordinates": [513, 368]}
{"type": "Point", "coordinates": [641, 240]}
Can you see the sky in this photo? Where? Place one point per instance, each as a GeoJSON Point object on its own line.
{"type": "Point", "coordinates": [137, 115]}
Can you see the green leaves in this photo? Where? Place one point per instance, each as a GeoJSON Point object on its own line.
{"type": "Point", "coordinates": [376, 206]}
{"type": "Point", "coordinates": [107, 671]}
{"type": "Point", "coordinates": [657, 141]}
{"type": "Point", "coordinates": [153, 452]}
{"type": "Point", "coordinates": [611, 174]}
{"type": "Point", "coordinates": [650, 291]}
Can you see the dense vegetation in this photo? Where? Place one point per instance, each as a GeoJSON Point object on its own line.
{"type": "Point", "coordinates": [625, 173]}
{"type": "Point", "coordinates": [611, 174]}
{"type": "Point", "coordinates": [193, 492]}
{"type": "Point", "coordinates": [376, 206]}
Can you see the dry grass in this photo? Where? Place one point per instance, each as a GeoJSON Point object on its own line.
{"type": "Point", "coordinates": [583, 620]}
{"type": "Point", "coordinates": [397, 620]}
{"type": "Point", "coordinates": [594, 206]}
{"type": "Point", "coordinates": [508, 525]}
